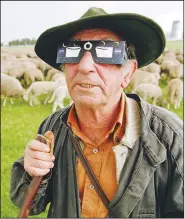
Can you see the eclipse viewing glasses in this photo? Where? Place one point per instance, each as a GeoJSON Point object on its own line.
{"type": "Point", "coordinates": [103, 52]}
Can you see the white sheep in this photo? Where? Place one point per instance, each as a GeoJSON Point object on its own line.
{"type": "Point", "coordinates": [167, 65]}
{"type": "Point", "coordinates": [48, 67]}
{"type": "Point", "coordinates": [32, 75]}
{"type": "Point", "coordinates": [180, 58]}
{"type": "Point", "coordinates": [176, 71]}
{"type": "Point", "coordinates": [140, 77]}
{"type": "Point", "coordinates": [18, 69]}
{"type": "Point", "coordinates": [148, 90]}
{"type": "Point", "coordinates": [40, 64]}
{"type": "Point", "coordinates": [38, 88]}
{"type": "Point", "coordinates": [59, 76]}
{"type": "Point", "coordinates": [153, 68]}
{"type": "Point", "coordinates": [51, 72]}
{"type": "Point", "coordinates": [58, 97]}
{"type": "Point", "coordinates": [10, 87]}
{"type": "Point", "coordinates": [174, 93]}
{"type": "Point", "coordinates": [7, 56]}
{"type": "Point", "coordinates": [7, 65]}
{"type": "Point", "coordinates": [32, 54]}
{"type": "Point", "coordinates": [159, 60]}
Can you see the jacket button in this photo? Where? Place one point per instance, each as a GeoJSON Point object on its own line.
{"type": "Point", "coordinates": [95, 150]}
{"type": "Point", "coordinates": [91, 186]}
{"type": "Point", "coordinates": [117, 139]}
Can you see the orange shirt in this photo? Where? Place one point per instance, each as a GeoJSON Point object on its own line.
{"type": "Point", "coordinates": [102, 160]}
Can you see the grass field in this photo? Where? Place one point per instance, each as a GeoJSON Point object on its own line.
{"type": "Point", "coordinates": [19, 124]}
{"type": "Point", "coordinates": [173, 45]}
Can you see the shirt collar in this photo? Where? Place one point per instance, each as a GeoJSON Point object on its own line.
{"type": "Point", "coordinates": [132, 123]}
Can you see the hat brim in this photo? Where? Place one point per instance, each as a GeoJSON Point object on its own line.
{"type": "Point", "coordinates": [145, 34]}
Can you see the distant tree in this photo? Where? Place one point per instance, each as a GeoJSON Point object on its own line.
{"type": "Point", "coordinates": [24, 41]}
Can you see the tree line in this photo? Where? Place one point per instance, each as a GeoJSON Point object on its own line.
{"type": "Point", "coordinates": [24, 41]}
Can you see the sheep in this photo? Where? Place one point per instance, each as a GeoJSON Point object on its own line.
{"type": "Point", "coordinates": [10, 87]}
{"type": "Point", "coordinates": [18, 69]}
{"type": "Point", "coordinates": [6, 65]}
{"type": "Point", "coordinates": [32, 54]}
{"type": "Point", "coordinates": [58, 76]}
{"type": "Point", "coordinates": [23, 58]}
{"type": "Point", "coordinates": [148, 90]}
{"type": "Point", "coordinates": [180, 58]}
{"type": "Point", "coordinates": [19, 54]}
{"type": "Point", "coordinates": [38, 88]}
{"type": "Point", "coordinates": [28, 64]}
{"type": "Point", "coordinates": [176, 71]}
{"type": "Point", "coordinates": [174, 93]}
{"type": "Point", "coordinates": [9, 63]}
{"type": "Point", "coordinates": [51, 72]}
{"type": "Point", "coordinates": [6, 56]}
{"type": "Point", "coordinates": [167, 65]}
{"type": "Point", "coordinates": [32, 75]}
{"type": "Point", "coordinates": [153, 68]}
{"type": "Point", "coordinates": [40, 64]}
{"type": "Point", "coordinates": [140, 77]}
{"type": "Point", "coordinates": [169, 53]}
{"type": "Point", "coordinates": [170, 56]}
{"type": "Point", "coordinates": [48, 67]}
{"type": "Point", "coordinates": [179, 52]}
{"type": "Point", "coordinates": [159, 60]}
{"type": "Point", "coordinates": [58, 97]}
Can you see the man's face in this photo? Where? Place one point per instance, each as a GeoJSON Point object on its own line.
{"type": "Point", "coordinates": [93, 84]}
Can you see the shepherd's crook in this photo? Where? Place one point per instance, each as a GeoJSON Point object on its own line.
{"type": "Point", "coordinates": [47, 138]}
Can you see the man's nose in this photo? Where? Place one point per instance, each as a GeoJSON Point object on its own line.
{"type": "Point", "coordinates": [86, 64]}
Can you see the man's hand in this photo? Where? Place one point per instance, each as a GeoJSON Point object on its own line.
{"type": "Point", "coordinates": [37, 159]}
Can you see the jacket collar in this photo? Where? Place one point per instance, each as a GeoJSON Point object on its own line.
{"type": "Point", "coordinates": [156, 151]}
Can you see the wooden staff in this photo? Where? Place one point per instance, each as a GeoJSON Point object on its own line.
{"type": "Point", "coordinates": [47, 138]}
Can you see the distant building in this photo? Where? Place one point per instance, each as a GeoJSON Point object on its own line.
{"type": "Point", "coordinates": [176, 33]}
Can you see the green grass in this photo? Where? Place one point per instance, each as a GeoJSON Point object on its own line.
{"type": "Point", "coordinates": [19, 124]}
{"type": "Point", "coordinates": [173, 45]}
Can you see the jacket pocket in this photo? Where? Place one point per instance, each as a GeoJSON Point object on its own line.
{"type": "Point", "coordinates": [146, 214]}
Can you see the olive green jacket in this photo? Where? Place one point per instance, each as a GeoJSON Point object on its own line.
{"type": "Point", "coordinates": [151, 184]}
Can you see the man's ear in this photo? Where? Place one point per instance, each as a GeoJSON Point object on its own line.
{"type": "Point", "coordinates": [129, 69]}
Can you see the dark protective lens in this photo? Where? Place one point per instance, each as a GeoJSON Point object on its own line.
{"type": "Point", "coordinates": [107, 52]}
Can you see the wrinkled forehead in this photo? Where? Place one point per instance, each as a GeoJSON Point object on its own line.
{"type": "Point", "coordinates": [96, 34]}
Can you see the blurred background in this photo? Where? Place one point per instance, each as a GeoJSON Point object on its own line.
{"type": "Point", "coordinates": [30, 88]}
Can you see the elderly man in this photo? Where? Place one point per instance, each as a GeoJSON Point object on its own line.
{"type": "Point", "coordinates": [134, 149]}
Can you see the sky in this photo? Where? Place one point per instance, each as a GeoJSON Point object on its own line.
{"type": "Point", "coordinates": [21, 19]}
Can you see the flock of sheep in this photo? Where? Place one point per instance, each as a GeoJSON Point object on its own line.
{"type": "Point", "coordinates": [24, 75]}
{"type": "Point", "coordinates": [169, 67]}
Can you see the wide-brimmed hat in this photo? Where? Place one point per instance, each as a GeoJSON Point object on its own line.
{"type": "Point", "coordinates": [145, 34]}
